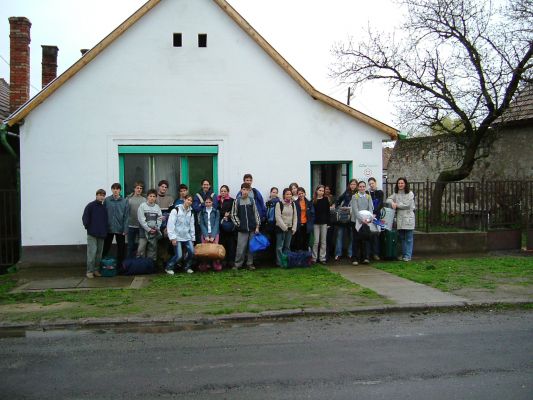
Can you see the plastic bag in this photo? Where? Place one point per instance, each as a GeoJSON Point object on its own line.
{"type": "Point", "coordinates": [259, 242]}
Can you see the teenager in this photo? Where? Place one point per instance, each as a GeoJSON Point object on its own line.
{"type": "Point", "coordinates": [198, 203]}
{"type": "Point", "coordinates": [306, 215]}
{"type": "Point", "coordinates": [403, 201]}
{"type": "Point", "coordinates": [286, 224]}
{"type": "Point", "coordinates": [95, 222]}
{"type": "Point", "coordinates": [377, 201]}
{"type": "Point", "coordinates": [361, 201]}
{"type": "Point", "coordinates": [247, 221]}
{"type": "Point", "coordinates": [294, 190]}
{"type": "Point", "coordinates": [135, 199]}
{"type": "Point", "coordinates": [118, 213]}
{"type": "Point", "coordinates": [255, 195]}
{"type": "Point", "coordinates": [209, 220]}
{"type": "Point", "coordinates": [181, 234]}
{"type": "Point", "coordinates": [342, 230]}
{"type": "Point", "coordinates": [228, 234]}
{"type": "Point", "coordinates": [150, 219]}
{"type": "Point", "coordinates": [321, 206]}
{"type": "Point", "coordinates": [330, 236]}
{"type": "Point", "coordinates": [183, 192]}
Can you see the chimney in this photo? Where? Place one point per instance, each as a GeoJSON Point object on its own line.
{"type": "Point", "coordinates": [83, 51]}
{"type": "Point", "coordinates": [19, 81]}
{"type": "Point", "coordinates": [49, 64]}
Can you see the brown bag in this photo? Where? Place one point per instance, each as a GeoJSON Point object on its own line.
{"type": "Point", "coordinates": [212, 251]}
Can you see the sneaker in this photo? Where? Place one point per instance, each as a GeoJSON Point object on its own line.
{"type": "Point", "coordinates": [235, 268]}
{"type": "Point", "coordinates": [169, 271]}
{"type": "Point", "coordinates": [366, 261]}
{"type": "Point", "coordinates": [323, 262]}
{"type": "Point", "coordinates": [97, 274]}
{"type": "Point", "coordinates": [189, 271]}
{"type": "Point", "coordinates": [355, 263]}
{"type": "Point", "coordinates": [400, 258]}
{"type": "Point", "coordinates": [376, 258]}
{"type": "Point", "coordinates": [90, 275]}
{"type": "Point", "coordinates": [406, 259]}
{"type": "Point", "coordinates": [251, 268]}
{"type": "Point", "coordinates": [337, 258]}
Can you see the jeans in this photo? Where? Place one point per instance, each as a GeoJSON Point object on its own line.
{"type": "Point", "coordinates": [406, 240]}
{"type": "Point", "coordinates": [121, 246]}
{"type": "Point", "coordinates": [133, 236]}
{"type": "Point", "coordinates": [178, 254]}
{"type": "Point", "coordinates": [95, 246]}
{"type": "Point", "coordinates": [320, 232]}
{"type": "Point", "coordinates": [283, 244]}
{"type": "Point", "coordinates": [341, 229]}
{"type": "Point", "coordinates": [374, 244]}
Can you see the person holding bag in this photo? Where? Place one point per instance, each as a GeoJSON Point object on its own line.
{"type": "Point", "coordinates": [286, 224]}
{"type": "Point", "coordinates": [209, 220]}
{"type": "Point", "coordinates": [344, 201]}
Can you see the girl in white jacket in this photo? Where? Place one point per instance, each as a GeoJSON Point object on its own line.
{"type": "Point", "coordinates": [180, 228]}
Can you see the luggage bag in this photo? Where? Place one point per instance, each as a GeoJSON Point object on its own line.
{"type": "Point", "coordinates": [211, 251]}
{"type": "Point", "coordinates": [389, 243]}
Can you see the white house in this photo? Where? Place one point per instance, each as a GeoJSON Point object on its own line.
{"type": "Point", "coordinates": [183, 89]}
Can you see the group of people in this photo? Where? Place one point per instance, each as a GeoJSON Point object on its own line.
{"type": "Point", "coordinates": [294, 222]}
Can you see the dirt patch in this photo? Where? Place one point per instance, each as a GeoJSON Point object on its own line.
{"type": "Point", "coordinates": [34, 307]}
{"type": "Point", "coordinates": [500, 293]}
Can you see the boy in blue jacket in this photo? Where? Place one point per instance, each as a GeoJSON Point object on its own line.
{"type": "Point", "coordinates": [95, 222]}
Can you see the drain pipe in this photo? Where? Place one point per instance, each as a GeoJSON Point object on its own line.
{"type": "Point", "coordinates": [3, 140]}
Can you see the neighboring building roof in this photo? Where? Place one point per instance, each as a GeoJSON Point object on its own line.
{"type": "Point", "coordinates": [521, 108]}
{"type": "Point", "coordinates": [4, 99]}
{"type": "Point", "coordinates": [26, 108]}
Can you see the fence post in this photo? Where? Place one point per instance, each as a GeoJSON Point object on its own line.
{"type": "Point", "coordinates": [427, 194]}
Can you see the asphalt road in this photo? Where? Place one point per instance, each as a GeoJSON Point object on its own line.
{"type": "Point", "coordinates": [474, 355]}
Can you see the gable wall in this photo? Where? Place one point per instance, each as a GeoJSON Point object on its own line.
{"type": "Point", "coordinates": [141, 90]}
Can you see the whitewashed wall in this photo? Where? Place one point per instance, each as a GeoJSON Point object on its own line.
{"type": "Point", "coordinates": [142, 90]}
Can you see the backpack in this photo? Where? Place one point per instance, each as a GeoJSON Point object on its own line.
{"type": "Point", "coordinates": [271, 212]}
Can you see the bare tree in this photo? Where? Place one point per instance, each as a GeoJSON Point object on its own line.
{"type": "Point", "coordinates": [459, 59]}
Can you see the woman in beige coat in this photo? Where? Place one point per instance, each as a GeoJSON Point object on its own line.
{"type": "Point", "coordinates": [403, 201]}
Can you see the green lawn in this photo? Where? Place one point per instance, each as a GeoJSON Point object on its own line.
{"type": "Point", "coordinates": [197, 294]}
{"type": "Point", "coordinates": [453, 274]}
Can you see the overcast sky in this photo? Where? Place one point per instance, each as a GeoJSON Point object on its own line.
{"type": "Point", "coordinates": [302, 31]}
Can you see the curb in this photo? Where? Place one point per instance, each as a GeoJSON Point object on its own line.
{"type": "Point", "coordinates": [180, 323]}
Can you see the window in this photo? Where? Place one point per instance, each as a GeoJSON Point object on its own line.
{"type": "Point", "coordinates": [367, 145]}
{"type": "Point", "coordinates": [177, 164]}
{"type": "Point", "coordinates": [202, 40]}
{"type": "Point", "coordinates": [177, 40]}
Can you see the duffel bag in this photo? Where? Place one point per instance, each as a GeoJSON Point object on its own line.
{"type": "Point", "coordinates": [138, 266]}
{"type": "Point", "coordinates": [340, 215]}
{"type": "Point", "coordinates": [212, 251]}
{"type": "Point", "coordinates": [295, 259]}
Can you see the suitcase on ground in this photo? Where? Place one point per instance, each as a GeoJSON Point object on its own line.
{"type": "Point", "coordinates": [389, 243]}
{"type": "Point", "coordinates": [211, 251]}
{"type": "Point", "coordinates": [108, 267]}
{"type": "Point", "coordinates": [138, 266]}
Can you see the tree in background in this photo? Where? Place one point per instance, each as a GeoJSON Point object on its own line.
{"type": "Point", "coordinates": [460, 61]}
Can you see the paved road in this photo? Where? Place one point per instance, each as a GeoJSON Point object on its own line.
{"type": "Point", "coordinates": [483, 355]}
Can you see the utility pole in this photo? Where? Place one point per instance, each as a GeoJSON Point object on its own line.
{"type": "Point", "coordinates": [349, 95]}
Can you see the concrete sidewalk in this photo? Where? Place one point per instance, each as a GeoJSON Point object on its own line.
{"type": "Point", "coordinates": [399, 290]}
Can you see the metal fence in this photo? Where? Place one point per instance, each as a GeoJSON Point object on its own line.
{"type": "Point", "coordinates": [474, 205]}
{"type": "Point", "coordinates": [9, 227]}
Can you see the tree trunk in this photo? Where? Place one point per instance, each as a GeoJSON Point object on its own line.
{"type": "Point", "coordinates": [458, 174]}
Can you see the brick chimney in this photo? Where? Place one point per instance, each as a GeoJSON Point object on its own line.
{"type": "Point", "coordinates": [19, 81]}
{"type": "Point", "coordinates": [49, 64]}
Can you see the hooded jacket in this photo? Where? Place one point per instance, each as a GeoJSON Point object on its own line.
{"type": "Point", "coordinates": [118, 213]}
